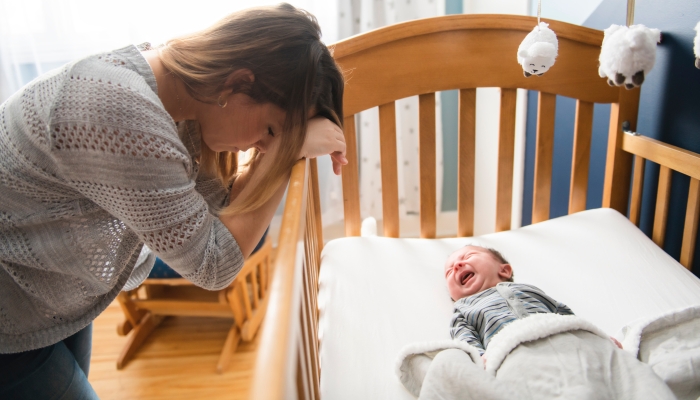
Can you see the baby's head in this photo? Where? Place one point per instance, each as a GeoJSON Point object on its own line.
{"type": "Point", "coordinates": [473, 269]}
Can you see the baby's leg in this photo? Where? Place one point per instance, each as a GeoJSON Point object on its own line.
{"type": "Point", "coordinates": [453, 375]}
{"type": "Point", "coordinates": [580, 365]}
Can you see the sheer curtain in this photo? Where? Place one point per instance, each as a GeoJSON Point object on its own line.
{"type": "Point", "coordinates": [358, 16]}
{"type": "Point", "coordinates": [39, 35]}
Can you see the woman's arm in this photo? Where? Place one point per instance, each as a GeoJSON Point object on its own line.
{"type": "Point", "coordinates": [248, 228]}
{"type": "Point", "coordinates": [322, 137]}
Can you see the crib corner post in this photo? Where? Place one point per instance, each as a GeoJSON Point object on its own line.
{"type": "Point", "coordinates": [618, 164]}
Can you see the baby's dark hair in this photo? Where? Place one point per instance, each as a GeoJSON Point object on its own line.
{"type": "Point", "coordinates": [498, 256]}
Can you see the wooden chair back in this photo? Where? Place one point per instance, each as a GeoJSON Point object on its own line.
{"type": "Point", "coordinates": [245, 300]}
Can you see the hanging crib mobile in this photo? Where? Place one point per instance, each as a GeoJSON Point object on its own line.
{"type": "Point", "coordinates": [628, 52]}
{"type": "Point", "coordinates": [538, 51]}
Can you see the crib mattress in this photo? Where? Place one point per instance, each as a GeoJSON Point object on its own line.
{"type": "Point", "coordinates": [379, 294]}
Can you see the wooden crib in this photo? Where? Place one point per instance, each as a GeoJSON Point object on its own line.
{"type": "Point", "coordinates": [422, 57]}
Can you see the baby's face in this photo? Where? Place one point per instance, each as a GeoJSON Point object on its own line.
{"type": "Point", "coordinates": [473, 269]}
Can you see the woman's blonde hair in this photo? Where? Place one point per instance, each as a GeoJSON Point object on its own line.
{"type": "Point", "coordinates": [281, 45]}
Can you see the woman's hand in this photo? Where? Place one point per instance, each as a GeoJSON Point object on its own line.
{"type": "Point", "coordinates": [324, 137]}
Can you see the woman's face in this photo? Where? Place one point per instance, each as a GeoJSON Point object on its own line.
{"type": "Point", "coordinates": [241, 125]}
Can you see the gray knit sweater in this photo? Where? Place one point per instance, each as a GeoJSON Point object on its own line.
{"type": "Point", "coordinates": [91, 168]}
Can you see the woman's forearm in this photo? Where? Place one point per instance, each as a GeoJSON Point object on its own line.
{"type": "Point", "coordinates": [247, 228]}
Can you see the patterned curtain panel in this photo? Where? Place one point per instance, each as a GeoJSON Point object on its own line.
{"type": "Point", "coordinates": [357, 16]}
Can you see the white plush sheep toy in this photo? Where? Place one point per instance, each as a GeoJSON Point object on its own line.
{"type": "Point", "coordinates": [696, 45]}
{"type": "Point", "coordinates": [628, 54]}
{"type": "Point", "coordinates": [538, 50]}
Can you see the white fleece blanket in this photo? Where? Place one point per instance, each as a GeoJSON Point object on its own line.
{"type": "Point", "coordinates": [670, 344]}
{"type": "Point", "coordinates": [543, 356]}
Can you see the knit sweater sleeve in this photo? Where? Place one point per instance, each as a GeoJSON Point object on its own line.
{"type": "Point", "coordinates": [113, 141]}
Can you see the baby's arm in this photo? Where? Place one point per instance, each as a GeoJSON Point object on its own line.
{"type": "Point", "coordinates": [462, 331]}
{"type": "Point", "coordinates": [563, 309]}
{"type": "Point", "coordinates": [553, 305]}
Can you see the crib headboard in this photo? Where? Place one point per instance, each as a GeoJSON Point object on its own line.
{"type": "Point", "coordinates": [421, 57]}
{"type": "Point", "coordinates": [466, 52]}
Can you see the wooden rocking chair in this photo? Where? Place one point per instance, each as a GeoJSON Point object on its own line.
{"type": "Point", "coordinates": [244, 300]}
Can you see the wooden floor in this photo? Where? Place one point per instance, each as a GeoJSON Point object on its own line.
{"type": "Point", "coordinates": [178, 361]}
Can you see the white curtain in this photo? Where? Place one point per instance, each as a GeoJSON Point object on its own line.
{"type": "Point", "coordinates": [358, 16]}
{"type": "Point", "coordinates": [40, 35]}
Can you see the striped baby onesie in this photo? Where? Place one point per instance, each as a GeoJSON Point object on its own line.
{"type": "Point", "coordinates": [479, 317]}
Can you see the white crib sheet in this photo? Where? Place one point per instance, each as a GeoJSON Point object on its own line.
{"type": "Point", "coordinates": [379, 294]}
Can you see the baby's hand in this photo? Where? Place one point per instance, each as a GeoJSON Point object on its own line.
{"type": "Point", "coordinates": [618, 344]}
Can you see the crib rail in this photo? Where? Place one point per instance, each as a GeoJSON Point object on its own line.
{"type": "Point", "coordinates": [287, 363]}
{"type": "Point", "coordinates": [670, 158]}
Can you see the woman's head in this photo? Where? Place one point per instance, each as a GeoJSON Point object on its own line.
{"type": "Point", "coordinates": [271, 55]}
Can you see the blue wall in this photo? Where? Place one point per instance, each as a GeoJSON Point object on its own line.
{"type": "Point", "coordinates": [669, 111]}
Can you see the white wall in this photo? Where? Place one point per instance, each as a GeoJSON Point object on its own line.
{"type": "Point", "coordinates": [571, 11]}
{"type": "Point", "coordinates": [519, 7]}
{"type": "Point", "coordinates": [44, 34]}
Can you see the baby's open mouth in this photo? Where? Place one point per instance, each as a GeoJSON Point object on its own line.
{"type": "Point", "coordinates": [467, 275]}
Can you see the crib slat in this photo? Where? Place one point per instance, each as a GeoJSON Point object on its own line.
{"type": "Point", "coordinates": [581, 156]}
{"type": "Point", "coordinates": [466, 154]}
{"type": "Point", "coordinates": [308, 337]}
{"type": "Point", "coordinates": [313, 242]}
{"type": "Point", "coordinates": [690, 231]}
{"type": "Point", "coordinates": [312, 257]}
{"type": "Point", "coordinates": [351, 191]}
{"type": "Point", "coordinates": [618, 162]}
{"type": "Point", "coordinates": [310, 242]}
{"type": "Point", "coordinates": [390, 181]}
{"type": "Point", "coordinates": [316, 202]}
{"type": "Point", "coordinates": [661, 213]}
{"type": "Point", "coordinates": [302, 375]}
{"type": "Point", "coordinates": [426, 164]}
{"type": "Point", "coordinates": [506, 152]}
{"type": "Point", "coordinates": [312, 293]}
{"type": "Point", "coordinates": [543, 157]}
{"type": "Point", "coordinates": [637, 187]}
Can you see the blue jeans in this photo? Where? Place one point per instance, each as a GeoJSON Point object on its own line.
{"type": "Point", "coordinates": [57, 372]}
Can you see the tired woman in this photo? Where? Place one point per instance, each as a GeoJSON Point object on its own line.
{"type": "Point", "coordinates": [138, 146]}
